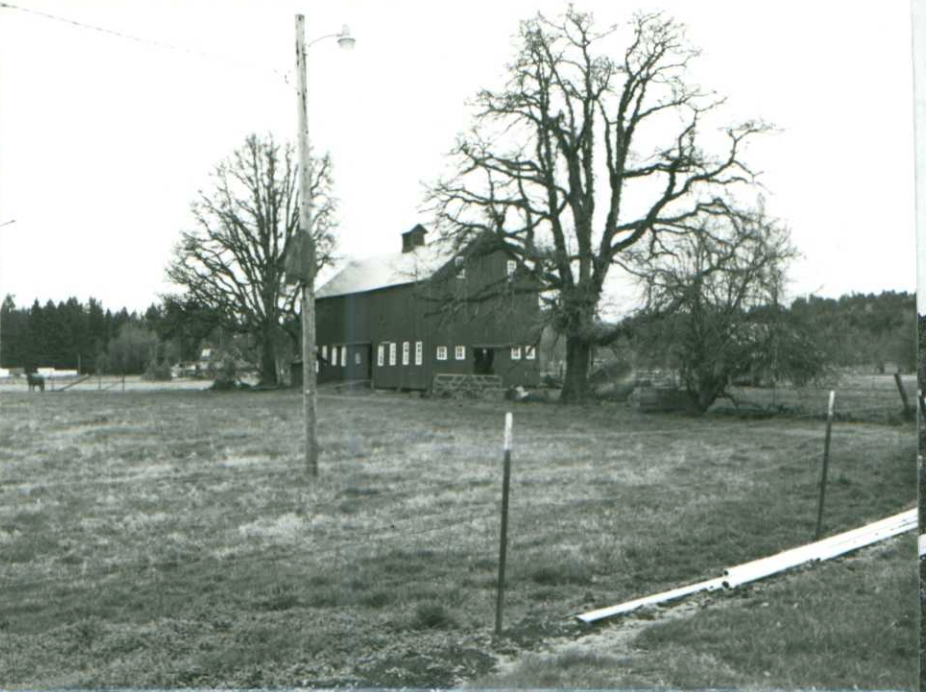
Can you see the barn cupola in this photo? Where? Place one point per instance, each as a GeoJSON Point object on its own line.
{"type": "Point", "coordinates": [413, 238]}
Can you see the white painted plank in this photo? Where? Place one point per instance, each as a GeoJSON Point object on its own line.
{"type": "Point", "coordinates": [819, 551]}
{"type": "Point", "coordinates": [754, 570]}
{"type": "Point", "coordinates": [793, 557]}
{"type": "Point", "coordinates": [681, 592]}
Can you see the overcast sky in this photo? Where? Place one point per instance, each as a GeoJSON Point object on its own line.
{"type": "Point", "coordinates": [919, 47]}
{"type": "Point", "coordinates": [104, 141]}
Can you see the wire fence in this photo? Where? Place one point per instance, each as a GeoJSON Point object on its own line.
{"type": "Point", "coordinates": [222, 468]}
{"type": "Point", "coordinates": [329, 542]}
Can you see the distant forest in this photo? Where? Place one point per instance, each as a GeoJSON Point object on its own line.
{"type": "Point", "coordinates": [71, 335]}
{"type": "Point", "coordinates": [858, 330]}
{"type": "Point", "coordinates": [863, 329]}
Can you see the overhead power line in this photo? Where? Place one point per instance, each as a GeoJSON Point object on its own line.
{"type": "Point", "coordinates": [138, 39]}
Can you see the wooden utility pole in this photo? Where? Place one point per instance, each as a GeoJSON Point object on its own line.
{"type": "Point", "coordinates": [308, 285]}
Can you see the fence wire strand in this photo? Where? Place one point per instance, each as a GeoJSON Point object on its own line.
{"type": "Point", "coordinates": [317, 548]}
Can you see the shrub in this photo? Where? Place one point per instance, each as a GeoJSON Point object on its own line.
{"type": "Point", "coordinates": [610, 371]}
{"type": "Point", "coordinates": [226, 375]}
{"type": "Point", "coordinates": [159, 372]}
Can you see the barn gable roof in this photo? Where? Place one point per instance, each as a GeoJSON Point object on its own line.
{"type": "Point", "coordinates": [383, 271]}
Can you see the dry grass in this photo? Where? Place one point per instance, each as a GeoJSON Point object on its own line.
{"type": "Point", "coordinates": [171, 538]}
{"type": "Point", "coordinates": [844, 625]}
{"type": "Point", "coordinates": [872, 398]}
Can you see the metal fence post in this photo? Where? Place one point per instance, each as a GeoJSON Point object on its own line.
{"type": "Point", "coordinates": [826, 463]}
{"type": "Point", "coordinates": [503, 537]}
{"type": "Point", "coordinates": [908, 412]}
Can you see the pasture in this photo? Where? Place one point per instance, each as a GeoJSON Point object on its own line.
{"type": "Point", "coordinates": [170, 538]}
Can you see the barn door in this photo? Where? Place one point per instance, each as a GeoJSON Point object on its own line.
{"type": "Point", "coordinates": [482, 361]}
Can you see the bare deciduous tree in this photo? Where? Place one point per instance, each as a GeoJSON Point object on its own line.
{"type": "Point", "coordinates": [713, 306]}
{"type": "Point", "coordinates": [570, 118]}
{"type": "Point", "coordinates": [232, 262]}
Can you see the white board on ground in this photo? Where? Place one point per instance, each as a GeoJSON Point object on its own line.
{"type": "Point", "coordinates": [754, 570]}
{"type": "Point", "coordinates": [665, 596]}
{"type": "Point", "coordinates": [819, 550]}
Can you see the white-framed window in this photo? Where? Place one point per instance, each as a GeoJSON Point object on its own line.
{"type": "Point", "coordinates": [460, 263]}
{"type": "Point", "coordinates": [334, 355]}
{"type": "Point", "coordinates": [405, 353]}
{"type": "Point", "coordinates": [357, 358]}
{"type": "Point", "coordinates": [515, 353]}
{"type": "Point", "coordinates": [392, 353]}
{"type": "Point", "coordinates": [343, 356]}
{"type": "Point", "coordinates": [460, 353]}
{"type": "Point", "coordinates": [381, 355]}
{"type": "Point", "coordinates": [511, 267]}
{"type": "Point", "coordinates": [419, 352]}
{"type": "Point", "coordinates": [317, 366]}
{"type": "Point", "coordinates": [441, 353]}
{"type": "Point", "coordinates": [325, 352]}
{"type": "Point", "coordinates": [530, 353]}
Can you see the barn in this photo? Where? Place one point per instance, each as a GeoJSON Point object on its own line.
{"type": "Point", "coordinates": [400, 319]}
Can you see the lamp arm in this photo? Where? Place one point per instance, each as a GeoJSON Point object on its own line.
{"type": "Point", "coordinates": [320, 38]}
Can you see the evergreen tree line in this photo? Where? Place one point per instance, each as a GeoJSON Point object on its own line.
{"type": "Point", "coordinates": [862, 330]}
{"type": "Point", "coordinates": [72, 335]}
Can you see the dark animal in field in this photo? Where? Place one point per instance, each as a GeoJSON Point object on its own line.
{"type": "Point", "coordinates": [35, 381]}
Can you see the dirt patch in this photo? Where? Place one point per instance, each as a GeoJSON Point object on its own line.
{"type": "Point", "coordinates": [445, 667]}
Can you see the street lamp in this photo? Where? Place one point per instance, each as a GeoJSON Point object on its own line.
{"type": "Point", "coordinates": [346, 41]}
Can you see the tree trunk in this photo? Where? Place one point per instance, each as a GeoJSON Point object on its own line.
{"type": "Point", "coordinates": [705, 390]}
{"type": "Point", "coordinates": [578, 359]}
{"type": "Point", "coordinates": [268, 361]}
{"type": "Point", "coordinates": [702, 401]}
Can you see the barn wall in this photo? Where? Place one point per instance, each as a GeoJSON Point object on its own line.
{"type": "Point", "coordinates": [344, 321]}
{"type": "Point", "coordinates": [400, 317]}
{"type": "Point", "coordinates": [413, 313]}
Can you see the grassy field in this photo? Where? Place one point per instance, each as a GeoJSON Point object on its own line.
{"type": "Point", "coordinates": [859, 397]}
{"type": "Point", "coordinates": [171, 538]}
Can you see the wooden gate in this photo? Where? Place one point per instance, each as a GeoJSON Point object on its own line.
{"type": "Point", "coordinates": [466, 385]}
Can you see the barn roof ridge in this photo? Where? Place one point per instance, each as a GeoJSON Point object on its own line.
{"type": "Point", "coordinates": [390, 269]}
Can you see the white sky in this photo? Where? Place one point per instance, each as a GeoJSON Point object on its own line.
{"type": "Point", "coordinates": [105, 141]}
{"type": "Point", "coordinates": [919, 47]}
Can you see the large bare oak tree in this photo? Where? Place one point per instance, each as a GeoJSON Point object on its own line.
{"type": "Point", "coordinates": [232, 262]}
{"type": "Point", "coordinates": [582, 154]}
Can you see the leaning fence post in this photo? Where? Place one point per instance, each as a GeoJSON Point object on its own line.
{"type": "Point", "coordinates": [826, 463]}
{"type": "Point", "coordinates": [907, 411]}
{"type": "Point", "coordinates": [503, 537]}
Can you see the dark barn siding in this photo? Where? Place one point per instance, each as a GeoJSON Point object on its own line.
{"type": "Point", "coordinates": [344, 321]}
{"type": "Point", "coordinates": [417, 312]}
